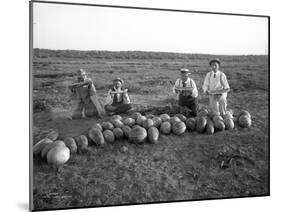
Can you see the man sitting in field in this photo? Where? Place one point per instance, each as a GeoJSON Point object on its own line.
{"type": "Point", "coordinates": [216, 86]}
{"type": "Point", "coordinates": [117, 100]}
{"type": "Point", "coordinates": [81, 96]}
{"type": "Point", "coordinates": [187, 91]}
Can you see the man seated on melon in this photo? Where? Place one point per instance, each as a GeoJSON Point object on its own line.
{"type": "Point", "coordinates": [187, 91]}
{"type": "Point", "coordinates": [216, 86]}
{"type": "Point", "coordinates": [117, 100]}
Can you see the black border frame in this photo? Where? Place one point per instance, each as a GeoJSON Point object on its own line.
{"type": "Point", "coordinates": [138, 8]}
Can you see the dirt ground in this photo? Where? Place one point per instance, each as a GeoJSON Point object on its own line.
{"type": "Point", "coordinates": [188, 167]}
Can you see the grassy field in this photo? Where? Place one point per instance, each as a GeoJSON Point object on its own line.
{"type": "Point", "coordinates": [189, 167]}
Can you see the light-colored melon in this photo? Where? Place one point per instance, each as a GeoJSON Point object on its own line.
{"type": "Point", "coordinates": [58, 155]}
{"type": "Point", "coordinates": [210, 127]}
{"type": "Point", "coordinates": [98, 126]}
{"type": "Point", "coordinates": [116, 117]}
{"type": "Point", "coordinates": [49, 146]}
{"type": "Point", "coordinates": [229, 124]}
{"type": "Point", "coordinates": [153, 135]}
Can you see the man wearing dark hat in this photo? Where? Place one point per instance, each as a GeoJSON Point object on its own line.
{"type": "Point", "coordinates": [117, 100]}
{"type": "Point", "coordinates": [217, 87]}
{"type": "Point", "coordinates": [187, 91]}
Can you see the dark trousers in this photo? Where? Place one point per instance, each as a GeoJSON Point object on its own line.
{"type": "Point", "coordinates": [189, 102]}
{"type": "Point", "coordinates": [118, 108]}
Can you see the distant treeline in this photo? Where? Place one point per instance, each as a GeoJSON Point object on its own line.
{"type": "Point", "coordinates": [47, 53]}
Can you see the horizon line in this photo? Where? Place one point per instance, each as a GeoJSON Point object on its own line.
{"type": "Point", "coordinates": [89, 50]}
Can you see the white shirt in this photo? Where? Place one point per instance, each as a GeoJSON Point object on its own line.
{"type": "Point", "coordinates": [109, 98]}
{"type": "Point", "coordinates": [215, 81]}
{"type": "Point", "coordinates": [189, 83]}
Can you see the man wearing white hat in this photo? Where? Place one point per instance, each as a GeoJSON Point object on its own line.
{"type": "Point", "coordinates": [217, 87]}
{"type": "Point", "coordinates": [187, 91]}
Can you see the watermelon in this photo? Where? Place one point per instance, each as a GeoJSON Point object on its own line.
{"type": "Point", "coordinates": [210, 127]}
{"type": "Point", "coordinates": [229, 124]}
{"type": "Point", "coordinates": [116, 117]}
{"type": "Point", "coordinates": [203, 112]}
{"type": "Point", "coordinates": [164, 117]}
{"type": "Point", "coordinates": [153, 135]}
{"type": "Point", "coordinates": [219, 125]}
{"type": "Point", "coordinates": [244, 121]}
{"type": "Point", "coordinates": [136, 115]}
{"type": "Point", "coordinates": [178, 127]}
{"type": "Point", "coordinates": [126, 129]}
{"type": "Point", "coordinates": [98, 126]}
{"type": "Point", "coordinates": [147, 123]}
{"type": "Point", "coordinates": [107, 126]}
{"type": "Point", "coordinates": [109, 136]}
{"type": "Point", "coordinates": [49, 146]}
{"type": "Point", "coordinates": [118, 133]}
{"type": "Point", "coordinates": [217, 118]}
{"type": "Point", "coordinates": [70, 144]}
{"type": "Point", "coordinates": [140, 120]}
{"type": "Point", "coordinates": [181, 117]}
{"type": "Point", "coordinates": [190, 124]}
{"type": "Point", "coordinates": [117, 123]}
{"type": "Point", "coordinates": [165, 127]}
{"type": "Point", "coordinates": [137, 135]}
{"type": "Point", "coordinates": [174, 119]}
{"type": "Point", "coordinates": [243, 113]}
{"type": "Point", "coordinates": [96, 136]}
{"type": "Point", "coordinates": [157, 122]}
{"type": "Point", "coordinates": [201, 123]}
{"type": "Point", "coordinates": [150, 116]}
{"type": "Point", "coordinates": [58, 155]}
{"type": "Point", "coordinates": [129, 121]}
{"type": "Point", "coordinates": [37, 148]}
{"type": "Point", "coordinates": [82, 142]}
{"type": "Point", "coordinates": [53, 135]}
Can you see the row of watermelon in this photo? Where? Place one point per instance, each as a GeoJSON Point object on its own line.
{"type": "Point", "coordinates": [137, 129]}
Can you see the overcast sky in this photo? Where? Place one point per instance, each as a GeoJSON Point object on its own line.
{"type": "Point", "coordinates": [58, 26]}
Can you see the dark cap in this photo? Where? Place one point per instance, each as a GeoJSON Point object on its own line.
{"type": "Point", "coordinates": [185, 71]}
{"type": "Point", "coordinates": [215, 60]}
{"type": "Point", "coordinates": [118, 79]}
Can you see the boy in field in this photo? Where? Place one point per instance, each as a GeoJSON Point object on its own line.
{"type": "Point", "coordinates": [216, 86]}
{"type": "Point", "coordinates": [187, 91]}
{"type": "Point", "coordinates": [81, 96]}
{"type": "Point", "coordinates": [117, 100]}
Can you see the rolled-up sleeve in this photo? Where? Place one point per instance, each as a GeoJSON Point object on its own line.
{"type": "Point", "coordinates": [126, 98]}
{"type": "Point", "coordinates": [206, 83]}
{"type": "Point", "coordinates": [224, 82]}
{"type": "Point", "coordinates": [194, 89]}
